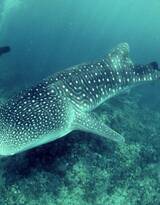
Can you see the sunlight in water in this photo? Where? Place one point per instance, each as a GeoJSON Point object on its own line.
{"type": "Point", "coordinates": [7, 7]}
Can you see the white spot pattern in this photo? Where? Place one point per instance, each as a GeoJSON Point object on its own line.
{"type": "Point", "coordinates": [47, 108]}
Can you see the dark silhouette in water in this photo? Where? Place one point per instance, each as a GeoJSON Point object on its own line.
{"type": "Point", "coordinates": [4, 50]}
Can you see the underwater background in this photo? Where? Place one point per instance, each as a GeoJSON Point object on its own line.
{"type": "Point", "coordinates": [81, 168]}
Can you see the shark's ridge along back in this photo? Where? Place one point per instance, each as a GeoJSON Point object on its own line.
{"type": "Point", "coordinates": [66, 101]}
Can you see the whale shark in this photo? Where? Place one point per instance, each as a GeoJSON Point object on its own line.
{"type": "Point", "coordinates": [66, 101]}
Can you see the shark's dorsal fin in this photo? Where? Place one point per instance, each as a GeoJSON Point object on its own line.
{"type": "Point", "coordinates": [121, 50]}
{"type": "Point", "coordinates": [119, 57]}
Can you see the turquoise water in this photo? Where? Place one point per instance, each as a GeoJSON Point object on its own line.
{"type": "Point", "coordinates": [50, 35]}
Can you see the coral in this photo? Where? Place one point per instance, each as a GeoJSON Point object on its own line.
{"type": "Point", "coordinates": [82, 169]}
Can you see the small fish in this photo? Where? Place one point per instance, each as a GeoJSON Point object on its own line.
{"type": "Point", "coordinates": [66, 101]}
{"type": "Point", "coordinates": [4, 50]}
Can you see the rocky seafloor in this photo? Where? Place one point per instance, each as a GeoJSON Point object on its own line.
{"type": "Point", "coordinates": [85, 169]}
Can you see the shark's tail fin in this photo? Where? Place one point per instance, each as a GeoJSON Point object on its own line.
{"type": "Point", "coordinates": [119, 60]}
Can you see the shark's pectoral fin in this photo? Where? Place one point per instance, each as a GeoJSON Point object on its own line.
{"type": "Point", "coordinates": [88, 122]}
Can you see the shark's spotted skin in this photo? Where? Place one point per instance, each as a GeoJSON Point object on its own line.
{"type": "Point", "coordinates": [66, 102]}
{"type": "Point", "coordinates": [37, 112]}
